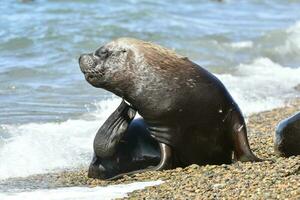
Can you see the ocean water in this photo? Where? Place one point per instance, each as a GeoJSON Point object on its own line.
{"type": "Point", "coordinates": [50, 114]}
{"type": "Point", "coordinates": [79, 193]}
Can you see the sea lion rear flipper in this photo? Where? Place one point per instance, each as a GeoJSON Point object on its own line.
{"type": "Point", "coordinates": [165, 162]}
{"type": "Point", "coordinates": [113, 129]}
{"type": "Point", "coordinates": [242, 151]}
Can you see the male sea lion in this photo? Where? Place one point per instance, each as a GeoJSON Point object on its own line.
{"type": "Point", "coordinates": [187, 110]}
{"type": "Point", "coordinates": [287, 136]}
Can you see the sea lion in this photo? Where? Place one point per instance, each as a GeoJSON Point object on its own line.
{"type": "Point", "coordinates": [187, 109]}
{"type": "Point", "coordinates": [287, 136]}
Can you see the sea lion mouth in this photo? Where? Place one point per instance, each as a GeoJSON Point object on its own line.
{"type": "Point", "coordinates": [93, 74]}
{"type": "Point", "coordinates": [90, 68]}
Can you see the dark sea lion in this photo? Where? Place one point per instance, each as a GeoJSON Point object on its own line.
{"type": "Point", "coordinates": [287, 136]}
{"type": "Point", "coordinates": [187, 109]}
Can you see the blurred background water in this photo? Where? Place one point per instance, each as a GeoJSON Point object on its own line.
{"type": "Point", "coordinates": [50, 114]}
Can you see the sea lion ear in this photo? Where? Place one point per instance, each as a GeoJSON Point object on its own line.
{"type": "Point", "coordinates": [184, 58]}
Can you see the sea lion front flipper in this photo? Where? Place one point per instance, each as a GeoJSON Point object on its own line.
{"type": "Point", "coordinates": [108, 138]}
{"type": "Point", "coordinates": [113, 129]}
{"type": "Point", "coordinates": [165, 162]}
{"type": "Point", "coordinates": [242, 151]}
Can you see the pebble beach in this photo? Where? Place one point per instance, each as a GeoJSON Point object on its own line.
{"type": "Point", "coordinates": [274, 178]}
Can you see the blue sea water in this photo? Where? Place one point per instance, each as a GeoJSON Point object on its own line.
{"type": "Point", "coordinates": [252, 46]}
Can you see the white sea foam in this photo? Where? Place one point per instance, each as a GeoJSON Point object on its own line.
{"type": "Point", "coordinates": [242, 44]}
{"type": "Point", "coordinates": [292, 41]}
{"type": "Point", "coordinates": [39, 148]}
{"type": "Point", "coordinates": [261, 85]}
{"type": "Point", "coordinates": [80, 193]}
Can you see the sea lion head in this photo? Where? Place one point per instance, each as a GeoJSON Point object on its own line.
{"type": "Point", "coordinates": [109, 66]}
{"type": "Point", "coordinates": [126, 64]}
{"type": "Point", "coordinates": [139, 72]}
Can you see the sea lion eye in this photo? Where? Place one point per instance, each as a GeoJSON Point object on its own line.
{"type": "Point", "coordinates": [102, 53]}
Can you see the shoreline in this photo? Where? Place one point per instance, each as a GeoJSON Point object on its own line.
{"type": "Point", "coordinates": [264, 180]}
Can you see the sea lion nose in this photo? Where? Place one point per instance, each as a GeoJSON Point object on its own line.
{"type": "Point", "coordinates": [86, 62]}
{"type": "Point", "coordinates": [83, 58]}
